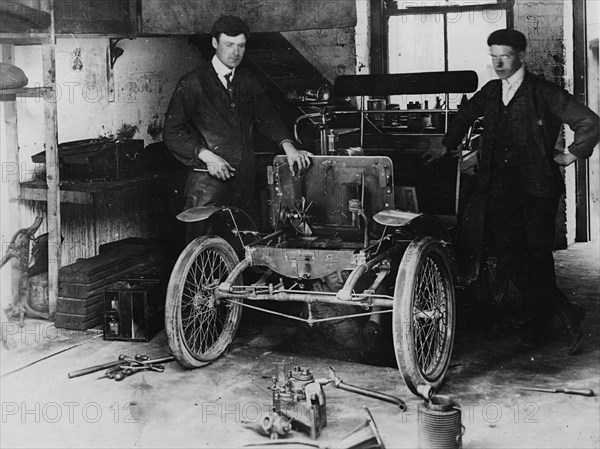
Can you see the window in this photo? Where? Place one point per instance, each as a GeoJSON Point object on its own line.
{"type": "Point", "coordinates": [438, 35]}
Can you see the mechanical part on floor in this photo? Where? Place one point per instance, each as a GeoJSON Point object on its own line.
{"type": "Point", "coordinates": [575, 391]}
{"type": "Point", "coordinates": [364, 436]}
{"type": "Point", "coordinates": [425, 391]}
{"type": "Point", "coordinates": [18, 248]}
{"type": "Point", "coordinates": [339, 383]}
{"type": "Point", "coordinates": [439, 424]}
{"type": "Point", "coordinates": [273, 426]}
{"type": "Point", "coordinates": [298, 396]}
{"type": "Point", "coordinates": [93, 369]}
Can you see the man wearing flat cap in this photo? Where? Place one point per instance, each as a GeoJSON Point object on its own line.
{"type": "Point", "coordinates": [210, 122]}
{"type": "Point", "coordinates": [520, 169]}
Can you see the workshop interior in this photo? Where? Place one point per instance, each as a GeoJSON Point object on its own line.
{"type": "Point", "coordinates": [358, 303]}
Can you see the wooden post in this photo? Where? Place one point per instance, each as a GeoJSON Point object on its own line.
{"type": "Point", "coordinates": [12, 171]}
{"type": "Point", "coordinates": [52, 174]}
{"type": "Point", "coordinates": [582, 168]}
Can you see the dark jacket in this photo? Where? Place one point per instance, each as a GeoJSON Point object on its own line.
{"type": "Point", "coordinates": [201, 115]}
{"type": "Point", "coordinates": [540, 109]}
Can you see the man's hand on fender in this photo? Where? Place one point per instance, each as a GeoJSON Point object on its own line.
{"type": "Point", "coordinates": [434, 154]}
{"type": "Point", "coordinates": [296, 158]}
{"type": "Point", "coordinates": [216, 165]}
{"type": "Point", "coordinates": [564, 159]}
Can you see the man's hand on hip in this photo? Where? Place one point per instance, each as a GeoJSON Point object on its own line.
{"type": "Point", "coordinates": [216, 165]}
{"type": "Point", "coordinates": [564, 159]}
{"type": "Point", "coordinates": [296, 158]}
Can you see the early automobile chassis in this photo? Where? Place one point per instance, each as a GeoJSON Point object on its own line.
{"type": "Point", "coordinates": [338, 217]}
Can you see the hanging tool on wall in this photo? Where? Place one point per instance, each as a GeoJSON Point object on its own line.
{"type": "Point", "coordinates": [18, 248]}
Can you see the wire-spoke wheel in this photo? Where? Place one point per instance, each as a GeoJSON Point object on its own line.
{"type": "Point", "coordinates": [199, 328]}
{"type": "Point", "coordinates": [423, 314]}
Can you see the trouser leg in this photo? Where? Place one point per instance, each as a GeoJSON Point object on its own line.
{"type": "Point", "coordinates": [203, 189]}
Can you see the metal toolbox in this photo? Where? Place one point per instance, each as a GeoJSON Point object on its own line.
{"type": "Point", "coordinates": [133, 309]}
{"type": "Point", "coordinates": [97, 159]}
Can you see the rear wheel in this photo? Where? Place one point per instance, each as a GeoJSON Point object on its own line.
{"type": "Point", "coordinates": [199, 328]}
{"type": "Point", "coordinates": [423, 314]}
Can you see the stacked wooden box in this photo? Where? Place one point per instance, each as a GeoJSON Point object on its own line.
{"type": "Point", "coordinates": [82, 284]}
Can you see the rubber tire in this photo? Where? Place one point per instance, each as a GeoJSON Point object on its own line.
{"type": "Point", "coordinates": [180, 348]}
{"type": "Point", "coordinates": [420, 253]}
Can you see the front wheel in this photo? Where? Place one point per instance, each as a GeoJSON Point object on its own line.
{"type": "Point", "coordinates": [423, 314]}
{"type": "Point", "coordinates": [199, 328]}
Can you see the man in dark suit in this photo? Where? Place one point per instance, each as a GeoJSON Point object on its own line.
{"type": "Point", "coordinates": [523, 115]}
{"type": "Point", "coordinates": [211, 118]}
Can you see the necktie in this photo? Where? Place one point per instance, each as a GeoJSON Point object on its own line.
{"type": "Point", "coordinates": [228, 77]}
{"type": "Point", "coordinates": [509, 92]}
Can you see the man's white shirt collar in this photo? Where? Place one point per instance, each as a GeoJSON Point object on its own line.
{"type": "Point", "coordinates": [511, 84]}
{"type": "Point", "coordinates": [516, 78]}
{"type": "Point", "coordinates": [222, 70]}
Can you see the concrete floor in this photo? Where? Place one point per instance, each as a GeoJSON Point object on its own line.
{"type": "Point", "coordinates": [207, 407]}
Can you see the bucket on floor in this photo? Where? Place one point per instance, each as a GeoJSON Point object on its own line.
{"type": "Point", "coordinates": [439, 424]}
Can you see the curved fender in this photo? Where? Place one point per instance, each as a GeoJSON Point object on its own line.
{"type": "Point", "coordinates": [471, 236]}
{"type": "Point", "coordinates": [199, 213]}
{"type": "Point", "coordinates": [230, 223]}
{"type": "Point", "coordinates": [429, 225]}
{"type": "Point", "coordinates": [423, 225]}
{"type": "Point", "coordinates": [417, 224]}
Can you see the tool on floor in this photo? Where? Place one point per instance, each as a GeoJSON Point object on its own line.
{"type": "Point", "coordinates": [576, 391]}
{"type": "Point", "coordinates": [339, 383]}
{"type": "Point", "coordinates": [102, 366]}
{"type": "Point", "coordinates": [132, 366]}
{"type": "Point", "coordinates": [439, 423]}
{"type": "Point", "coordinates": [364, 436]}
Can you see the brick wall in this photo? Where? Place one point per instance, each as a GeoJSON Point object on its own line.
{"type": "Point", "coordinates": [546, 24]}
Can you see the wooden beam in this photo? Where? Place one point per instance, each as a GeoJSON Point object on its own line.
{"type": "Point", "coordinates": [52, 174]}
{"type": "Point", "coordinates": [12, 166]}
{"type": "Point", "coordinates": [450, 8]}
{"type": "Point", "coordinates": [379, 37]}
{"type": "Point", "coordinates": [582, 169]}
{"type": "Point", "coordinates": [33, 193]}
{"type": "Point", "coordinates": [24, 38]}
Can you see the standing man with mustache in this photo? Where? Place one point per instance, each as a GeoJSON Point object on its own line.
{"type": "Point", "coordinates": [210, 121]}
{"type": "Point", "coordinates": [519, 168]}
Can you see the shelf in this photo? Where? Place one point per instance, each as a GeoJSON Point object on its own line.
{"type": "Point", "coordinates": [81, 192]}
{"type": "Point", "coordinates": [13, 94]}
{"type": "Point", "coordinates": [25, 38]}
